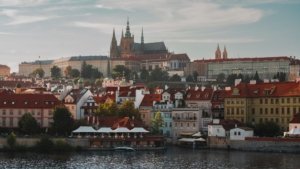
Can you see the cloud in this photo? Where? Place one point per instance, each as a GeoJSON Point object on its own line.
{"type": "Point", "coordinates": [21, 3]}
{"type": "Point", "coordinates": [21, 19]}
{"type": "Point", "coordinates": [180, 15]}
{"type": "Point", "coordinates": [217, 40]}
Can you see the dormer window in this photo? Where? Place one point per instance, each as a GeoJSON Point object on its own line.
{"type": "Point", "coordinates": [198, 96]}
{"type": "Point", "coordinates": [35, 102]}
{"type": "Point", "coordinates": [12, 102]}
{"type": "Point", "coordinates": [4, 102]}
{"type": "Point", "coordinates": [25, 102]}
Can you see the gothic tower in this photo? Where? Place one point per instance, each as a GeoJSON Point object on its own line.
{"type": "Point", "coordinates": [142, 41]}
{"type": "Point", "coordinates": [114, 52]}
{"type": "Point", "coordinates": [225, 53]}
{"type": "Point", "coordinates": [218, 53]}
{"type": "Point", "coordinates": [127, 42]}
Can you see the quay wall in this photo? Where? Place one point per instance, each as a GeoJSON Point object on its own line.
{"type": "Point", "coordinates": [256, 144]}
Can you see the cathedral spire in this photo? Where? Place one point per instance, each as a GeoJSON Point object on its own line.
{"type": "Point", "coordinates": [225, 55]}
{"type": "Point", "coordinates": [122, 36]}
{"type": "Point", "coordinates": [142, 37]}
{"type": "Point", "coordinates": [127, 34]}
{"type": "Point", "coordinates": [218, 53]}
{"type": "Point", "coordinates": [113, 46]}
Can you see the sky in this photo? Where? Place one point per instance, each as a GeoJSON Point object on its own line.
{"type": "Point", "coordinates": [53, 29]}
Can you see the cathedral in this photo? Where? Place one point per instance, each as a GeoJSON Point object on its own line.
{"type": "Point", "coordinates": [129, 48]}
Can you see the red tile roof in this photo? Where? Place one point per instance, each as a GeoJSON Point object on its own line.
{"type": "Point", "coordinates": [198, 94]}
{"type": "Point", "coordinates": [276, 89]}
{"type": "Point", "coordinates": [33, 101]}
{"type": "Point", "coordinates": [296, 118]}
{"type": "Point", "coordinates": [149, 99]}
{"type": "Point", "coordinates": [229, 124]}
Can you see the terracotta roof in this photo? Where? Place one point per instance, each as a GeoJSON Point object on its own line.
{"type": "Point", "coordinates": [33, 101]}
{"type": "Point", "coordinates": [115, 122]}
{"type": "Point", "coordinates": [276, 89]}
{"type": "Point", "coordinates": [104, 98]}
{"type": "Point", "coordinates": [198, 94]}
{"type": "Point", "coordinates": [296, 118]}
{"type": "Point", "coordinates": [149, 99]}
{"type": "Point", "coordinates": [13, 84]}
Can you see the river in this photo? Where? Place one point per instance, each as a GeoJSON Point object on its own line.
{"type": "Point", "coordinates": [172, 158]}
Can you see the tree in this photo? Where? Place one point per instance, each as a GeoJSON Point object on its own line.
{"type": "Point", "coordinates": [68, 71]}
{"type": "Point", "coordinates": [157, 122]}
{"type": "Point", "coordinates": [120, 71]}
{"type": "Point", "coordinates": [195, 76]}
{"type": "Point", "coordinates": [62, 121]}
{"type": "Point", "coordinates": [175, 78]}
{"type": "Point", "coordinates": [127, 110]}
{"type": "Point", "coordinates": [221, 78]}
{"type": "Point", "coordinates": [109, 108]}
{"type": "Point", "coordinates": [88, 72]}
{"type": "Point", "coordinates": [159, 75]}
{"type": "Point", "coordinates": [28, 124]}
{"type": "Point", "coordinates": [38, 72]}
{"type": "Point", "coordinates": [11, 140]}
{"type": "Point", "coordinates": [231, 79]}
{"type": "Point", "coordinates": [144, 76]}
{"type": "Point", "coordinates": [74, 73]}
{"type": "Point", "coordinates": [256, 77]}
{"type": "Point", "coordinates": [189, 78]}
{"type": "Point", "coordinates": [55, 72]}
{"type": "Point", "coordinates": [281, 76]}
{"type": "Point", "coordinates": [267, 129]}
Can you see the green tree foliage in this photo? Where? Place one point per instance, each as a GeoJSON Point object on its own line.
{"type": "Point", "coordinates": [120, 71]}
{"type": "Point", "coordinates": [55, 72]}
{"type": "Point", "coordinates": [281, 76]}
{"type": "Point", "coordinates": [38, 72]}
{"type": "Point", "coordinates": [157, 122]}
{"type": "Point", "coordinates": [221, 78]}
{"type": "Point", "coordinates": [62, 121]}
{"type": "Point", "coordinates": [144, 76]}
{"type": "Point", "coordinates": [159, 75]}
{"type": "Point", "coordinates": [175, 78]}
{"type": "Point", "coordinates": [45, 145]}
{"type": "Point", "coordinates": [195, 76]}
{"type": "Point", "coordinates": [189, 78]}
{"type": "Point", "coordinates": [256, 77]}
{"type": "Point", "coordinates": [231, 79]}
{"type": "Point", "coordinates": [11, 140]}
{"type": "Point", "coordinates": [88, 72]}
{"type": "Point", "coordinates": [108, 109]}
{"type": "Point", "coordinates": [28, 124]}
{"type": "Point", "coordinates": [127, 110]}
{"type": "Point", "coordinates": [67, 71]}
{"type": "Point", "coordinates": [267, 129]}
{"type": "Point", "coordinates": [75, 73]}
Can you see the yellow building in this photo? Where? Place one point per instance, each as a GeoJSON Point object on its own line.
{"type": "Point", "coordinates": [257, 103]}
{"type": "Point", "coordinates": [4, 70]}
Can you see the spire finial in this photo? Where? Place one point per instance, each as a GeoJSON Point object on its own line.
{"type": "Point", "coordinates": [142, 37]}
{"type": "Point", "coordinates": [127, 34]}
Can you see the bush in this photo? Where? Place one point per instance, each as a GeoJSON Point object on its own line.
{"type": "Point", "coordinates": [62, 146]}
{"type": "Point", "coordinates": [11, 140]}
{"type": "Point", "coordinates": [45, 145]}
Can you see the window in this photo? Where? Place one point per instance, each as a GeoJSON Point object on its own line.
{"type": "Point", "coordinates": [235, 133]}
{"type": "Point", "coordinates": [266, 110]}
{"type": "Point", "coordinates": [272, 101]}
{"type": "Point", "coordinates": [261, 111]}
{"type": "Point", "coordinates": [239, 133]}
{"type": "Point", "coordinates": [276, 110]}
{"type": "Point", "coordinates": [11, 122]}
{"type": "Point", "coordinates": [282, 100]}
{"type": "Point", "coordinates": [253, 111]}
{"type": "Point", "coordinates": [266, 101]}
{"type": "Point", "coordinates": [282, 110]}
{"type": "Point", "coordinates": [288, 100]}
{"type": "Point", "coordinates": [3, 112]}
{"type": "Point", "coordinates": [11, 112]}
{"type": "Point", "coordinates": [3, 121]}
{"type": "Point", "coordinates": [272, 111]}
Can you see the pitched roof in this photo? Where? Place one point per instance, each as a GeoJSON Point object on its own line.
{"type": "Point", "coordinates": [296, 118]}
{"type": "Point", "coordinates": [33, 101]}
{"type": "Point", "coordinates": [199, 94]}
{"type": "Point", "coordinates": [275, 89]}
{"type": "Point", "coordinates": [149, 99]}
{"type": "Point", "coordinates": [229, 124]}
{"type": "Point", "coordinates": [182, 56]}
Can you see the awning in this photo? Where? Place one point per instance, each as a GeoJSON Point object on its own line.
{"type": "Point", "coordinates": [105, 130]}
{"type": "Point", "coordinates": [85, 129]}
{"type": "Point", "coordinates": [191, 139]}
{"type": "Point", "coordinates": [139, 130]}
{"type": "Point", "coordinates": [198, 134]}
{"type": "Point", "coordinates": [121, 130]}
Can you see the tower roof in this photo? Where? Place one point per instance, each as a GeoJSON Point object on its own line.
{"type": "Point", "coordinates": [127, 34]}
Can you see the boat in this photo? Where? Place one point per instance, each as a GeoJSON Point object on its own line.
{"type": "Point", "coordinates": [124, 148]}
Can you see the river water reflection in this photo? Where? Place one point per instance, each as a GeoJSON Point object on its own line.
{"type": "Point", "coordinates": [172, 158]}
